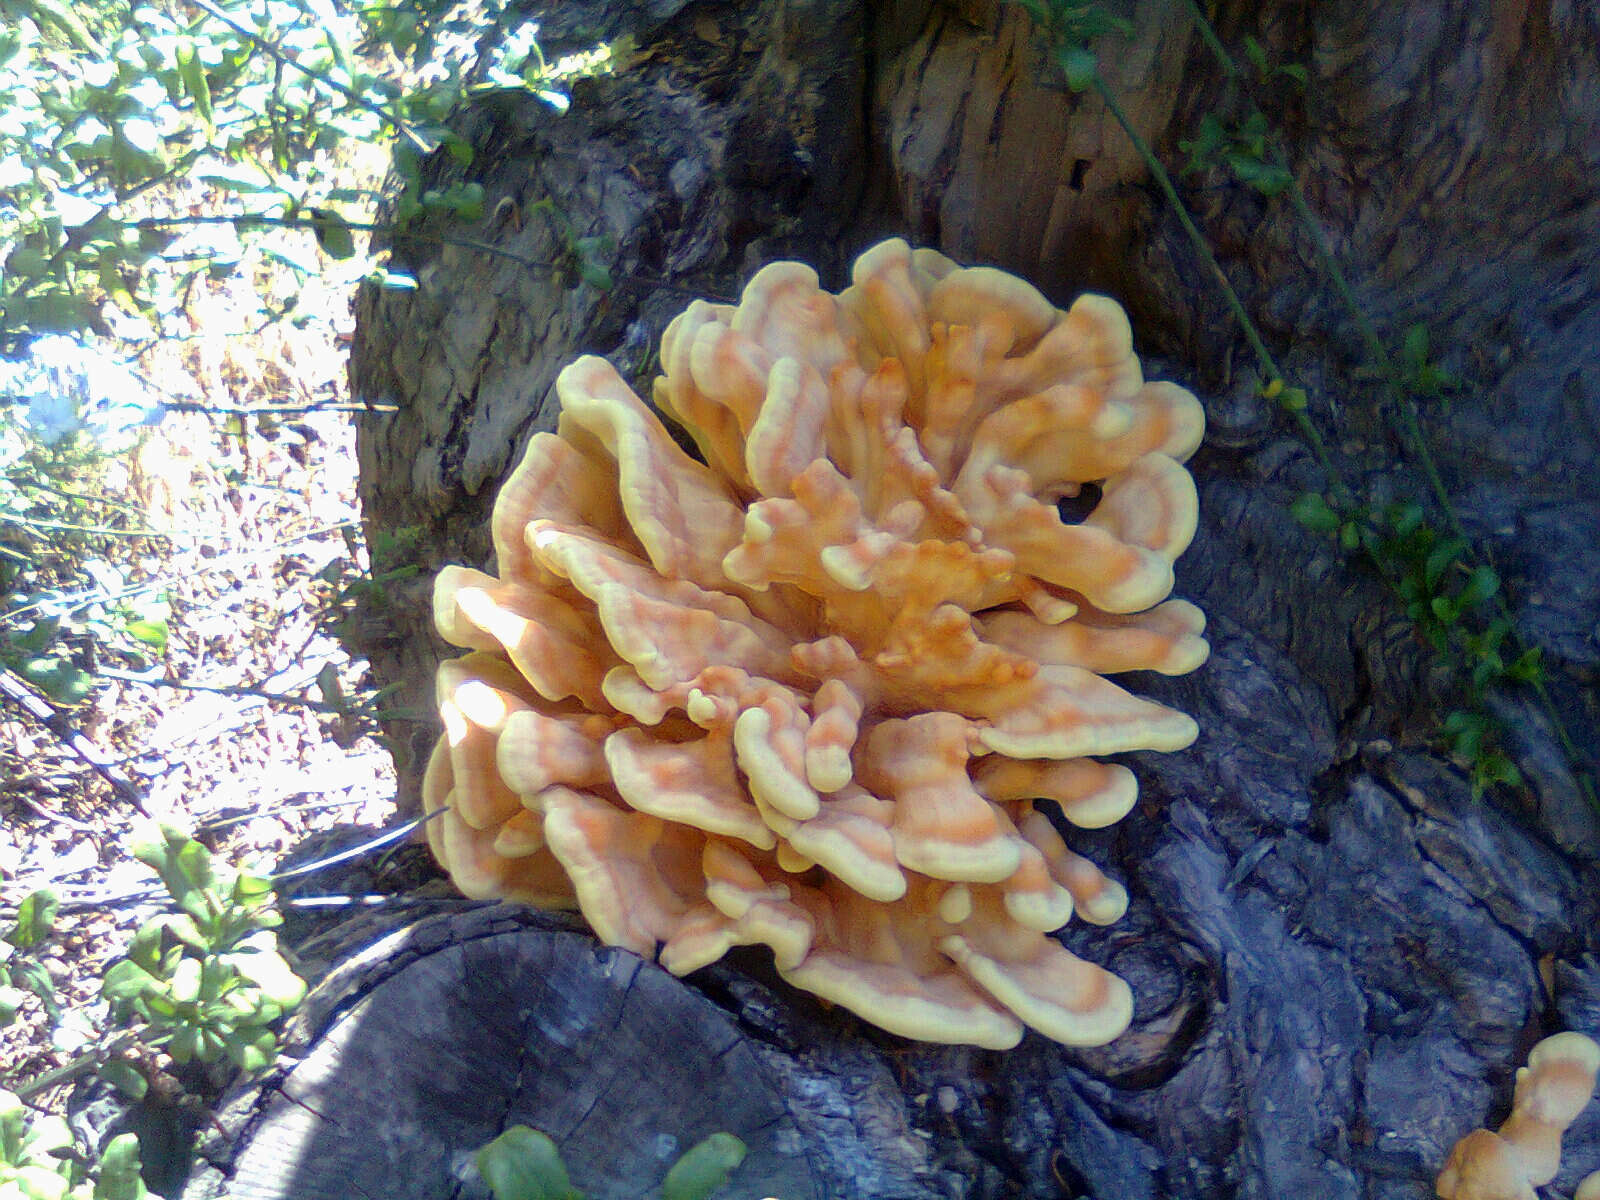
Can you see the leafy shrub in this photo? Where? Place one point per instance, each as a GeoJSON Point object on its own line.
{"type": "Point", "coordinates": [20, 971]}
{"type": "Point", "coordinates": [38, 1160]}
{"type": "Point", "coordinates": [206, 982]}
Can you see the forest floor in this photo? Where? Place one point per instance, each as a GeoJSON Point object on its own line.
{"type": "Point", "coordinates": [229, 526]}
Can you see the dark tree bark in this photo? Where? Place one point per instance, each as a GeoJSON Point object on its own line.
{"type": "Point", "coordinates": [1339, 953]}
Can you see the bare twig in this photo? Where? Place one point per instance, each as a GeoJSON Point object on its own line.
{"type": "Point", "coordinates": [24, 697]}
{"type": "Point", "coordinates": [277, 410]}
{"type": "Point", "coordinates": [239, 690]}
{"type": "Point", "coordinates": [81, 1065]}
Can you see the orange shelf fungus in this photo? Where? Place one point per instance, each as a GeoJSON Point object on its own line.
{"type": "Point", "coordinates": [1525, 1153]}
{"type": "Point", "coordinates": [805, 690]}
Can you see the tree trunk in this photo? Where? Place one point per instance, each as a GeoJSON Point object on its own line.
{"type": "Point", "coordinates": [1339, 953]}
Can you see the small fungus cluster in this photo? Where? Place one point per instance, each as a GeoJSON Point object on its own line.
{"type": "Point", "coordinates": [806, 690]}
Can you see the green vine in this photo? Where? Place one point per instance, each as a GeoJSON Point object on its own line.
{"type": "Point", "coordinates": [1449, 588]}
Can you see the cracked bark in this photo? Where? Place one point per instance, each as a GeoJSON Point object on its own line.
{"type": "Point", "coordinates": [1339, 954]}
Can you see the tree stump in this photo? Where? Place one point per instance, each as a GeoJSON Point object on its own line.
{"type": "Point", "coordinates": [436, 1038]}
{"type": "Point", "coordinates": [1339, 953]}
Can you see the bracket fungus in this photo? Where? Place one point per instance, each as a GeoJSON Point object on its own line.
{"type": "Point", "coordinates": [1525, 1152]}
{"type": "Point", "coordinates": [806, 689]}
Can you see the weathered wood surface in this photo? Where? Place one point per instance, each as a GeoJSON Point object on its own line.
{"type": "Point", "coordinates": [433, 1040]}
{"type": "Point", "coordinates": [1339, 954]}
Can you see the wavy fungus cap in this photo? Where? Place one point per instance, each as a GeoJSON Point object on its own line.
{"type": "Point", "coordinates": [806, 693]}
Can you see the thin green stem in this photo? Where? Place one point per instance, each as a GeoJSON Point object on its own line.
{"type": "Point", "coordinates": [1269, 365]}
{"type": "Point", "coordinates": [1403, 402]}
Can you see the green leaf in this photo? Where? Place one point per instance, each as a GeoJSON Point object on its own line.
{"type": "Point", "coordinates": [524, 1164]}
{"type": "Point", "coordinates": [127, 981]}
{"type": "Point", "coordinates": [185, 986]}
{"type": "Point", "coordinates": [1257, 54]}
{"type": "Point", "coordinates": [36, 979]}
{"type": "Point", "coordinates": [467, 202]}
{"type": "Point", "coordinates": [1465, 731]}
{"type": "Point", "coordinates": [1415, 347]}
{"type": "Point", "coordinates": [193, 73]}
{"type": "Point", "coordinates": [194, 864]}
{"type": "Point", "coordinates": [1078, 64]}
{"type": "Point", "coordinates": [247, 179]}
{"type": "Point", "coordinates": [11, 999]}
{"type": "Point", "coordinates": [253, 1054]}
{"type": "Point", "coordinates": [1440, 559]}
{"type": "Point", "coordinates": [211, 1044]}
{"type": "Point", "coordinates": [58, 678]}
{"type": "Point", "coordinates": [1293, 399]}
{"type": "Point", "coordinates": [328, 684]}
{"type": "Point", "coordinates": [1202, 150]}
{"type": "Point", "coordinates": [125, 1077]}
{"type": "Point", "coordinates": [183, 1044]}
{"type": "Point", "coordinates": [180, 926]}
{"type": "Point", "coordinates": [35, 917]}
{"type": "Point", "coordinates": [704, 1168]}
{"type": "Point", "coordinates": [1312, 511]}
{"type": "Point", "coordinates": [1481, 584]}
{"type": "Point", "coordinates": [1493, 767]}
{"type": "Point", "coordinates": [151, 633]}
{"type": "Point", "coordinates": [1529, 667]}
{"type": "Point", "coordinates": [251, 891]}
{"type": "Point", "coordinates": [276, 979]}
{"type": "Point", "coordinates": [1405, 518]}
{"type": "Point", "coordinates": [119, 1170]}
{"type": "Point", "coordinates": [333, 233]}
{"type": "Point", "coordinates": [1267, 178]}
